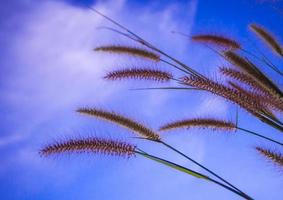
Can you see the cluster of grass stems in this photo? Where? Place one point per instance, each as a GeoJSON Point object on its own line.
{"type": "Point", "coordinates": [246, 86]}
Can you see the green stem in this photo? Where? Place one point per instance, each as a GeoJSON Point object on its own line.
{"type": "Point", "coordinates": [258, 135]}
{"type": "Point", "coordinates": [270, 122]}
{"type": "Point", "coordinates": [142, 41]}
{"type": "Point", "coordinates": [203, 167]}
{"type": "Point", "coordinates": [190, 172]}
{"type": "Point", "coordinates": [265, 61]}
{"type": "Point", "coordinates": [173, 65]}
{"type": "Point", "coordinates": [173, 165]}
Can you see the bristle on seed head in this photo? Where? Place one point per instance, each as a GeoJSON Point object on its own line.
{"type": "Point", "coordinates": [253, 71]}
{"type": "Point", "coordinates": [133, 51]}
{"type": "Point", "coordinates": [275, 157]}
{"type": "Point", "coordinates": [210, 123]}
{"type": "Point", "coordinates": [137, 73]}
{"type": "Point", "coordinates": [243, 63]}
{"type": "Point", "coordinates": [252, 105]}
{"type": "Point", "coordinates": [268, 38]}
{"type": "Point", "coordinates": [217, 40]}
{"type": "Point", "coordinates": [89, 145]}
{"type": "Point", "coordinates": [244, 78]}
{"type": "Point", "coordinates": [122, 121]}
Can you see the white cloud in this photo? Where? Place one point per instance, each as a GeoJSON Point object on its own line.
{"type": "Point", "coordinates": [54, 65]}
{"type": "Point", "coordinates": [56, 69]}
{"type": "Point", "coordinates": [10, 139]}
{"type": "Point", "coordinates": [214, 106]}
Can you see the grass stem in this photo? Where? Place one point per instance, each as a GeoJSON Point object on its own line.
{"type": "Point", "coordinates": [190, 172]}
{"type": "Point", "coordinates": [259, 135]}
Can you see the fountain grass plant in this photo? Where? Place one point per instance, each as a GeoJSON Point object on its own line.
{"type": "Point", "coordinates": [246, 86]}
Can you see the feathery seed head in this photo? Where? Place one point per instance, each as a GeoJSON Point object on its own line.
{"type": "Point", "coordinates": [211, 123]}
{"type": "Point", "coordinates": [268, 38]}
{"type": "Point", "coordinates": [258, 90]}
{"type": "Point", "coordinates": [252, 70]}
{"type": "Point", "coordinates": [217, 40]}
{"type": "Point", "coordinates": [241, 62]}
{"type": "Point", "coordinates": [242, 99]}
{"type": "Point", "coordinates": [133, 51]}
{"type": "Point", "coordinates": [89, 145]}
{"type": "Point", "coordinates": [136, 73]}
{"type": "Point", "coordinates": [269, 101]}
{"type": "Point", "coordinates": [122, 121]}
{"type": "Point", "coordinates": [273, 156]}
{"type": "Point", "coordinates": [244, 78]}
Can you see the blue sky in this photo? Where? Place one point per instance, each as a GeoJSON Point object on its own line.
{"type": "Point", "coordinates": [48, 70]}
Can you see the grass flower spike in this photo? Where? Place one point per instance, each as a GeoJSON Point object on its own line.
{"type": "Point", "coordinates": [200, 123]}
{"type": "Point", "coordinates": [217, 40]}
{"type": "Point", "coordinates": [122, 121]}
{"type": "Point", "coordinates": [268, 38]}
{"type": "Point", "coordinates": [136, 73]}
{"type": "Point", "coordinates": [275, 157]}
{"type": "Point", "coordinates": [90, 145]}
{"type": "Point", "coordinates": [133, 51]}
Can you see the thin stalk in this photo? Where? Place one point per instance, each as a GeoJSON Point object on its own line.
{"type": "Point", "coordinates": [237, 115]}
{"type": "Point", "coordinates": [273, 118]}
{"type": "Point", "coordinates": [173, 65]}
{"type": "Point", "coordinates": [264, 60]}
{"type": "Point", "coordinates": [258, 135]}
{"type": "Point", "coordinates": [175, 79]}
{"type": "Point", "coordinates": [190, 70]}
{"type": "Point", "coordinates": [228, 188]}
{"type": "Point", "coordinates": [195, 162]}
{"type": "Point", "coordinates": [274, 66]}
{"type": "Point", "coordinates": [200, 165]}
{"type": "Point", "coordinates": [270, 122]}
{"type": "Point", "coordinates": [117, 31]}
{"type": "Point", "coordinates": [131, 35]}
{"type": "Point", "coordinates": [221, 55]}
{"type": "Point", "coordinates": [259, 51]}
{"type": "Point", "coordinates": [173, 165]}
{"type": "Point", "coordinates": [147, 44]}
{"type": "Point", "coordinates": [191, 172]}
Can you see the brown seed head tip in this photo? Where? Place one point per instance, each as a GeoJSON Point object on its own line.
{"type": "Point", "coordinates": [83, 110]}
{"type": "Point", "coordinates": [133, 51]}
{"type": "Point", "coordinates": [210, 123]}
{"type": "Point", "coordinates": [89, 145]}
{"type": "Point", "coordinates": [142, 74]}
{"type": "Point", "coordinates": [244, 78]}
{"type": "Point", "coordinates": [79, 110]}
{"type": "Point", "coordinates": [242, 99]}
{"type": "Point", "coordinates": [238, 61]}
{"type": "Point", "coordinates": [275, 157]}
{"type": "Point", "coordinates": [217, 40]}
{"type": "Point", "coordinates": [245, 65]}
{"type": "Point", "coordinates": [122, 121]}
{"type": "Point", "coordinates": [258, 88]}
{"type": "Point", "coordinates": [267, 37]}
{"type": "Point", "coordinates": [253, 71]}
